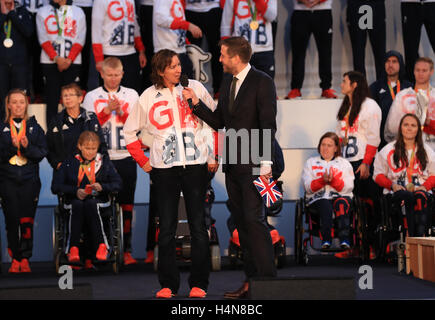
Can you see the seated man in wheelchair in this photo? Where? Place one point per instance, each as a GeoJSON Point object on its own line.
{"type": "Point", "coordinates": [405, 168]}
{"type": "Point", "coordinates": [86, 180]}
{"type": "Point", "coordinates": [328, 181]}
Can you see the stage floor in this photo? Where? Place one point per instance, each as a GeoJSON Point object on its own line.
{"type": "Point", "coordinates": [139, 282]}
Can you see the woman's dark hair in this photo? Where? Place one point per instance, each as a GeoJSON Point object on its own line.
{"type": "Point", "coordinates": [334, 137]}
{"type": "Point", "coordinates": [400, 150]}
{"type": "Point", "coordinates": [360, 93]}
{"type": "Point", "coordinates": [159, 62]}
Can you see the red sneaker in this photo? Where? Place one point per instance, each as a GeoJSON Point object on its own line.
{"type": "Point", "coordinates": [329, 94]}
{"type": "Point", "coordinates": [372, 255]}
{"type": "Point", "coordinates": [164, 293]}
{"type": "Point", "coordinates": [25, 266]}
{"type": "Point", "coordinates": [294, 93]}
{"type": "Point", "coordinates": [73, 255]}
{"type": "Point", "coordinates": [150, 257]}
{"type": "Point", "coordinates": [197, 293]}
{"type": "Point", "coordinates": [15, 266]}
{"type": "Point", "coordinates": [216, 96]}
{"type": "Point", "coordinates": [344, 254]}
{"type": "Point", "coordinates": [128, 259]}
{"type": "Point", "coordinates": [102, 252]}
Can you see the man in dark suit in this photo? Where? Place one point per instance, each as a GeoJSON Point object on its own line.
{"type": "Point", "coordinates": [247, 101]}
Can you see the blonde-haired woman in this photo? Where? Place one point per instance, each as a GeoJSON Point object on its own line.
{"type": "Point", "coordinates": [22, 147]}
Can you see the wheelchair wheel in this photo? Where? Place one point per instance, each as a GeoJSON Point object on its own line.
{"type": "Point", "coordinates": [215, 253]}
{"type": "Point", "coordinates": [362, 231]}
{"type": "Point", "coordinates": [280, 257]}
{"type": "Point", "coordinates": [299, 232]}
{"type": "Point", "coordinates": [57, 235]}
{"type": "Point", "coordinates": [118, 248]}
{"type": "Point", "coordinates": [156, 258]}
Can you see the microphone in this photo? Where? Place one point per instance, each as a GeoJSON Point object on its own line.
{"type": "Point", "coordinates": [184, 81]}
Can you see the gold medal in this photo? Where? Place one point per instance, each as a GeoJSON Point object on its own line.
{"type": "Point", "coordinates": [8, 42]}
{"type": "Point", "coordinates": [254, 25]}
{"type": "Point", "coordinates": [13, 160]}
{"type": "Point", "coordinates": [410, 187]}
{"type": "Point", "coordinates": [21, 161]}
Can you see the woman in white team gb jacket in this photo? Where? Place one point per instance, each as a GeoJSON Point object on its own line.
{"type": "Point", "coordinates": [405, 168]}
{"type": "Point", "coordinates": [358, 126]}
{"type": "Point", "coordinates": [178, 163]}
{"type": "Point", "coordinates": [328, 182]}
{"type": "Point", "coordinates": [61, 33]}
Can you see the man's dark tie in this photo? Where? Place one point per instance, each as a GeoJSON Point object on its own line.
{"type": "Point", "coordinates": [232, 94]}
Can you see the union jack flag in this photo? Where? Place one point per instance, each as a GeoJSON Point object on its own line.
{"type": "Point", "coordinates": [268, 190]}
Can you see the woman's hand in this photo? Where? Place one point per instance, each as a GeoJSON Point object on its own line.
{"type": "Point", "coordinates": [195, 30]}
{"type": "Point", "coordinates": [397, 187]}
{"type": "Point", "coordinates": [147, 167]}
{"type": "Point", "coordinates": [24, 142]}
{"type": "Point", "coordinates": [81, 194]}
{"type": "Point", "coordinates": [420, 188]}
{"type": "Point", "coordinates": [97, 187]}
{"type": "Point", "coordinates": [363, 170]}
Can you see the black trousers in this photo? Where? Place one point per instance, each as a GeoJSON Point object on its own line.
{"type": "Point", "coordinates": [12, 76]}
{"type": "Point", "coordinates": [127, 169]}
{"type": "Point", "coordinates": [254, 234]}
{"type": "Point", "coordinates": [209, 22]}
{"type": "Point", "coordinates": [19, 201]}
{"type": "Point", "coordinates": [132, 73]}
{"type": "Point", "coordinates": [340, 206]}
{"type": "Point", "coordinates": [264, 61]}
{"type": "Point", "coordinates": [146, 31]}
{"type": "Point", "coordinates": [414, 16]}
{"type": "Point", "coordinates": [186, 65]}
{"type": "Point", "coordinates": [417, 212]}
{"type": "Point", "coordinates": [53, 82]}
{"type": "Point", "coordinates": [152, 214]}
{"type": "Point", "coordinates": [85, 216]}
{"type": "Point", "coordinates": [358, 36]}
{"type": "Point", "coordinates": [303, 24]}
{"type": "Point", "coordinates": [86, 51]}
{"type": "Point", "coordinates": [168, 183]}
{"type": "Point", "coordinates": [35, 75]}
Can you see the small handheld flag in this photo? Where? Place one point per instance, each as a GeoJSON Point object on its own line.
{"type": "Point", "coordinates": [268, 190]}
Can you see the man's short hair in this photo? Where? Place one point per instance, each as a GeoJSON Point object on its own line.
{"type": "Point", "coordinates": [238, 46]}
{"type": "Point", "coordinates": [425, 59]}
{"type": "Point", "coordinates": [112, 62]}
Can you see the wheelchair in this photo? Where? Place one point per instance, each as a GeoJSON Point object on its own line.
{"type": "Point", "coordinates": [183, 238]}
{"type": "Point", "coordinates": [112, 217]}
{"type": "Point", "coordinates": [393, 230]}
{"type": "Point", "coordinates": [235, 252]}
{"type": "Point", "coordinates": [306, 222]}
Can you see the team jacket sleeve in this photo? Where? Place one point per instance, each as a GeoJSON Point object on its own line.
{"type": "Point", "coordinates": [429, 184]}
{"type": "Point", "coordinates": [163, 18]}
{"type": "Point", "coordinates": [44, 41]}
{"type": "Point", "coordinates": [22, 21]}
{"type": "Point", "coordinates": [343, 181]}
{"type": "Point", "coordinates": [138, 44]}
{"type": "Point", "coordinates": [312, 183]}
{"type": "Point", "coordinates": [81, 35]}
{"type": "Point", "coordinates": [37, 148]}
{"type": "Point", "coordinates": [98, 12]}
{"type": "Point", "coordinates": [227, 20]}
{"type": "Point", "coordinates": [59, 183]}
{"type": "Point", "coordinates": [373, 133]}
{"type": "Point", "coordinates": [381, 169]}
{"type": "Point", "coordinates": [135, 123]}
{"type": "Point", "coordinates": [267, 8]}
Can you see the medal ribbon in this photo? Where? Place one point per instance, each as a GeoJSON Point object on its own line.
{"type": "Point", "coordinates": [393, 95]}
{"type": "Point", "coordinates": [253, 12]}
{"type": "Point", "coordinates": [59, 29]}
{"type": "Point", "coordinates": [18, 135]}
{"type": "Point", "coordinates": [89, 170]}
{"type": "Point", "coordinates": [7, 26]}
{"type": "Point", "coordinates": [410, 167]}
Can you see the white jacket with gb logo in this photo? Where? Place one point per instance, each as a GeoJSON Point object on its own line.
{"type": "Point", "coordinates": [179, 138]}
